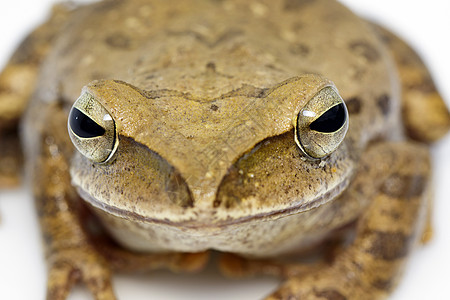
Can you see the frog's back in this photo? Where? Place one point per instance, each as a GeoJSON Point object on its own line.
{"type": "Point", "coordinates": [209, 48]}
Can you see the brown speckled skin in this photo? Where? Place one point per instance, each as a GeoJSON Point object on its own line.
{"type": "Point", "coordinates": [205, 97]}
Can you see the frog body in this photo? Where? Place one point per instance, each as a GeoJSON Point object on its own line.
{"type": "Point", "coordinates": [228, 67]}
{"type": "Point", "coordinates": [202, 138]}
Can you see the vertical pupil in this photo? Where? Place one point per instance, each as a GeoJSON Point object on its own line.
{"type": "Point", "coordinates": [331, 120]}
{"type": "Point", "coordinates": [83, 126]}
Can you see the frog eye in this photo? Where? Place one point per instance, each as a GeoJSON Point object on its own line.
{"type": "Point", "coordinates": [92, 129]}
{"type": "Point", "coordinates": [321, 124]}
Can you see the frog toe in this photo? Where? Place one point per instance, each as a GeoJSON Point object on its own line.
{"type": "Point", "coordinates": [61, 278]}
{"type": "Point", "coordinates": [79, 266]}
{"type": "Point", "coordinates": [101, 288]}
{"type": "Point", "coordinates": [294, 289]}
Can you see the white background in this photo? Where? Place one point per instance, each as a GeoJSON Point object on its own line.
{"type": "Point", "coordinates": [425, 24]}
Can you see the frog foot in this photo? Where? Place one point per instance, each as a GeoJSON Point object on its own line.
{"type": "Point", "coordinates": [79, 264]}
{"type": "Point", "coordinates": [122, 260]}
{"type": "Point", "coordinates": [235, 266]}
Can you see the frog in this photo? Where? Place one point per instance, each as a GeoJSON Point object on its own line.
{"type": "Point", "coordinates": [155, 132]}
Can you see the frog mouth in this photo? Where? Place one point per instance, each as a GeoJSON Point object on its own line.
{"type": "Point", "coordinates": [206, 219]}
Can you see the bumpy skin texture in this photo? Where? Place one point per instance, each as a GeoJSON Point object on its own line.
{"type": "Point", "coordinates": [207, 106]}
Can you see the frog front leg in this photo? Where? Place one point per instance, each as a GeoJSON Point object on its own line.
{"type": "Point", "coordinates": [74, 254]}
{"type": "Point", "coordinates": [17, 83]}
{"type": "Point", "coordinates": [70, 253]}
{"type": "Point", "coordinates": [392, 225]}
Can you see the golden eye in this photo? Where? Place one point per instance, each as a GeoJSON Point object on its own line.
{"type": "Point", "coordinates": [321, 124]}
{"type": "Point", "coordinates": [92, 129]}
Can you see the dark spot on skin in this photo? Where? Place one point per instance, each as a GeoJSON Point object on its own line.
{"type": "Point", "coordinates": [216, 203]}
{"type": "Point", "coordinates": [119, 41]}
{"type": "Point", "coordinates": [358, 71]}
{"type": "Point", "coordinates": [232, 201]}
{"type": "Point", "coordinates": [365, 50]}
{"type": "Point", "coordinates": [296, 4]}
{"type": "Point", "coordinates": [108, 5]}
{"type": "Point", "coordinates": [385, 37]}
{"type": "Point", "coordinates": [383, 284]}
{"type": "Point", "coordinates": [404, 186]}
{"type": "Point", "coordinates": [297, 26]}
{"type": "Point", "coordinates": [389, 245]}
{"type": "Point", "coordinates": [139, 62]}
{"type": "Point", "coordinates": [330, 294]}
{"type": "Point", "coordinates": [406, 61]}
{"type": "Point", "coordinates": [299, 49]}
{"type": "Point", "coordinates": [5, 89]}
{"type": "Point", "coordinates": [409, 58]}
{"type": "Point", "coordinates": [25, 53]}
{"type": "Point", "coordinates": [355, 264]}
{"type": "Point", "coordinates": [214, 107]}
{"type": "Point", "coordinates": [282, 295]}
{"type": "Point", "coordinates": [353, 105]}
{"type": "Point", "coordinates": [272, 67]}
{"type": "Point", "coordinates": [211, 67]}
{"type": "Point", "coordinates": [426, 85]}
{"type": "Point", "coordinates": [384, 103]}
{"type": "Point", "coordinates": [394, 215]}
